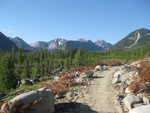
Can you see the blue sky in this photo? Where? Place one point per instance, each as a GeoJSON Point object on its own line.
{"type": "Point", "coordinates": [110, 20]}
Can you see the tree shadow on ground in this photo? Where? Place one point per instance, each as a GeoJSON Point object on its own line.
{"type": "Point", "coordinates": [96, 77]}
{"type": "Point", "coordinates": [73, 107]}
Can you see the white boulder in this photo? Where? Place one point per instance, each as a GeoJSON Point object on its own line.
{"type": "Point", "coordinates": [141, 109]}
{"type": "Point", "coordinates": [98, 68]}
{"type": "Point", "coordinates": [37, 101]}
{"type": "Point", "coordinates": [101, 68]}
{"type": "Point", "coordinates": [116, 77]}
{"type": "Point", "coordinates": [130, 100]}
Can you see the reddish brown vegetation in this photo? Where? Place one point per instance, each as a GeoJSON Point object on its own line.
{"type": "Point", "coordinates": [136, 86]}
{"type": "Point", "coordinates": [62, 85]}
{"type": "Point", "coordinates": [142, 81]}
{"type": "Point", "coordinates": [144, 72]}
{"type": "Point", "coordinates": [111, 63]}
{"type": "Point", "coordinates": [67, 79]}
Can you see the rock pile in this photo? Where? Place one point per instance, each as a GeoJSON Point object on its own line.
{"type": "Point", "coordinates": [132, 86]}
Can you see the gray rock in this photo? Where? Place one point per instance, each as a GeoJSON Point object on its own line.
{"type": "Point", "coordinates": [123, 76]}
{"type": "Point", "coordinates": [141, 109]}
{"type": "Point", "coordinates": [69, 95]}
{"type": "Point", "coordinates": [146, 100]}
{"type": "Point", "coordinates": [72, 94]}
{"type": "Point", "coordinates": [116, 77]}
{"type": "Point", "coordinates": [89, 74]}
{"type": "Point", "coordinates": [59, 96]}
{"type": "Point", "coordinates": [79, 80]}
{"type": "Point", "coordinates": [101, 68]}
{"type": "Point", "coordinates": [98, 68]}
{"type": "Point", "coordinates": [104, 68]}
{"type": "Point", "coordinates": [2, 95]}
{"type": "Point", "coordinates": [130, 100]}
{"type": "Point", "coordinates": [126, 76]}
{"type": "Point", "coordinates": [26, 82]}
{"type": "Point", "coordinates": [77, 74]}
{"type": "Point", "coordinates": [37, 101]}
{"type": "Point", "coordinates": [36, 80]}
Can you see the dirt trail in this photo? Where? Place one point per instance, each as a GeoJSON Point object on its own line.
{"type": "Point", "coordinates": [101, 95]}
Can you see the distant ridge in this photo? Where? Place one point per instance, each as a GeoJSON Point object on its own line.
{"type": "Point", "coordinates": [6, 44]}
{"type": "Point", "coordinates": [136, 39]}
{"type": "Point", "coordinates": [20, 43]}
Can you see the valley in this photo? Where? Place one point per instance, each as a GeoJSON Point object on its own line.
{"type": "Point", "coordinates": [76, 76]}
{"type": "Point", "coordinates": [74, 56]}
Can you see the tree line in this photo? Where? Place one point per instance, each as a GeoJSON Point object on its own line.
{"type": "Point", "coordinates": [21, 64]}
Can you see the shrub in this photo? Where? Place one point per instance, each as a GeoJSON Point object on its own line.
{"type": "Point", "coordinates": [144, 72]}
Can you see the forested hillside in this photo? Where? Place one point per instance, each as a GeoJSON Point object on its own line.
{"type": "Point", "coordinates": [19, 65]}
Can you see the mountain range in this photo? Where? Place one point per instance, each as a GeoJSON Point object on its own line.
{"type": "Point", "coordinates": [62, 44]}
{"type": "Point", "coordinates": [7, 43]}
{"type": "Point", "coordinates": [135, 39]}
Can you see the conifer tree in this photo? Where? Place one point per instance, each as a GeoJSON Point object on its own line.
{"type": "Point", "coordinates": [8, 78]}
{"type": "Point", "coordinates": [26, 72]}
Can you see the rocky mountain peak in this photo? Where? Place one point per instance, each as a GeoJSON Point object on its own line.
{"type": "Point", "coordinates": [103, 44]}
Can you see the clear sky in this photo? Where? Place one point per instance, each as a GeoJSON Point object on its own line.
{"type": "Point", "coordinates": [110, 20]}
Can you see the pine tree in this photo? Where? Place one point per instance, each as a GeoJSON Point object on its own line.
{"type": "Point", "coordinates": [78, 59]}
{"type": "Point", "coordinates": [8, 79]}
{"type": "Point", "coordinates": [26, 72]}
